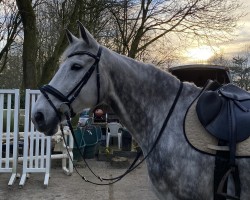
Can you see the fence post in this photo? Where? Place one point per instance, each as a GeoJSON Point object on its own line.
{"type": "Point", "coordinates": [9, 116]}
{"type": "Point", "coordinates": [37, 146]}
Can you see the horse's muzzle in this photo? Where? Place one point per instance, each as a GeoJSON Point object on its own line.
{"type": "Point", "coordinates": [39, 121]}
{"type": "Point", "coordinates": [43, 126]}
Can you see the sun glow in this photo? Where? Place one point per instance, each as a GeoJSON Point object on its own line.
{"type": "Point", "coordinates": [200, 54]}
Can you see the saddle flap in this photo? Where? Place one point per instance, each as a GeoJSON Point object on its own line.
{"type": "Point", "coordinates": [208, 107]}
{"type": "Point", "coordinates": [214, 113]}
{"type": "Point", "coordinates": [234, 92]}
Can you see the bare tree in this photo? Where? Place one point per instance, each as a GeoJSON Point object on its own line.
{"type": "Point", "coordinates": [11, 76]}
{"type": "Point", "coordinates": [43, 36]}
{"type": "Point", "coordinates": [127, 26]}
{"type": "Point", "coordinates": [9, 28]}
{"type": "Point", "coordinates": [162, 53]}
{"type": "Point", "coordinates": [64, 15]}
{"type": "Point", "coordinates": [28, 18]}
{"type": "Point", "coordinates": [91, 13]}
{"type": "Point", "coordinates": [142, 22]}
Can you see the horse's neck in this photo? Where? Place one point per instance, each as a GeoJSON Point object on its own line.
{"type": "Point", "coordinates": [140, 94]}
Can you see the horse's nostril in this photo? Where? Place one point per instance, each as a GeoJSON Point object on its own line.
{"type": "Point", "coordinates": [39, 117]}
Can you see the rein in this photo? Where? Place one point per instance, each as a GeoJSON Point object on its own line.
{"type": "Point", "coordinates": [67, 110]}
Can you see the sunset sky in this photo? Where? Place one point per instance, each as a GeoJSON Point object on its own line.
{"type": "Point", "coordinates": [243, 33]}
{"type": "Point", "coordinates": [231, 48]}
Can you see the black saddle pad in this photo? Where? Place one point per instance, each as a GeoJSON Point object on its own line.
{"type": "Point", "coordinates": [220, 110]}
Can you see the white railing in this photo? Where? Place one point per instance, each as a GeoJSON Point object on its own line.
{"type": "Point", "coordinates": [9, 109]}
{"type": "Point", "coordinates": [36, 146]}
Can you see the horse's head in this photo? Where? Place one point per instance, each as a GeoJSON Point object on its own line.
{"type": "Point", "coordinates": [75, 86]}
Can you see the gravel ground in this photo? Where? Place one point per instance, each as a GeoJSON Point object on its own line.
{"type": "Point", "coordinates": [135, 185]}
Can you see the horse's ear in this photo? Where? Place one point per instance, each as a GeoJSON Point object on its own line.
{"type": "Point", "coordinates": [83, 33]}
{"type": "Point", "coordinates": [71, 37]}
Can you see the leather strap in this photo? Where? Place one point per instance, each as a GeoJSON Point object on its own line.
{"type": "Point", "coordinates": [69, 99]}
{"type": "Point", "coordinates": [134, 165]}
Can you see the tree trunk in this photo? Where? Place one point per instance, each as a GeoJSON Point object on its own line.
{"type": "Point", "coordinates": [28, 18]}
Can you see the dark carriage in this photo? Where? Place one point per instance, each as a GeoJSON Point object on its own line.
{"type": "Point", "coordinates": [200, 73]}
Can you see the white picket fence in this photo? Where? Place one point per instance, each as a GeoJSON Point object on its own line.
{"type": "Point", "coordinates": [36, 147]}
{"type": "Point", "coordinates": [9, 109]}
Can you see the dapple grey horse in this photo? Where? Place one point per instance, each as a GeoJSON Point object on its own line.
{"type": "Point", "coordinates": [141, 95]}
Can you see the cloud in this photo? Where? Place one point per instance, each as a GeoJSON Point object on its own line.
{"type": "Point", "coordinates": [242, 35]}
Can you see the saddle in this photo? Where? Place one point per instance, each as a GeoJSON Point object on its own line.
{"type": "Point", "coordinates": [225, 114]}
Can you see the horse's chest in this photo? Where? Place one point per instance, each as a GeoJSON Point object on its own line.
{"type": "Point", "coordinates": [178, 170]}
{"type": "Point", "coordinates": [180, 182]}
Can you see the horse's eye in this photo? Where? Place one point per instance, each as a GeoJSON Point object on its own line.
{"type": "Point", "coordinates": [76, 67]}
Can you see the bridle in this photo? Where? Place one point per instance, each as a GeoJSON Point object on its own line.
{"type": "Point", "coordinates": [71, 96]}
{"type": "Point", "coordinates": [67, 110]}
